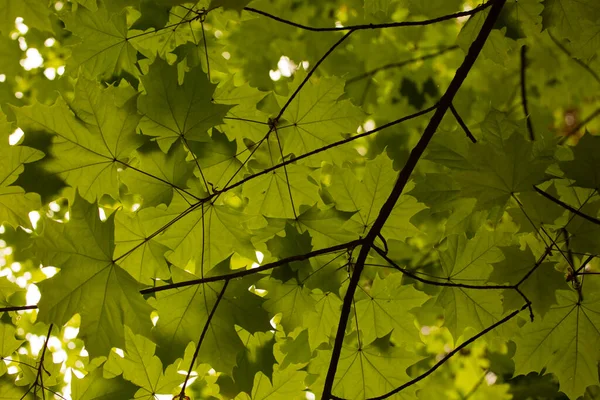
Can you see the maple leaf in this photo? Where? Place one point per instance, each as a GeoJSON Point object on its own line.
{"type": "Point", "coordinates": [248, 200]}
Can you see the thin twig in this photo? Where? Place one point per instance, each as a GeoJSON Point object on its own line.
{"type": "Point", "coordinates": [246, 272]}
{"type": "Point", "coordinates": [462, 124]}
{"type": "Point", "coordinates": [524, 92]}
{"type": "Point", "coordinates": [578, 61]}
{"type": "Point", "coordinates": [448, 356]}
{"type": "Point", "coordinates": [201, 339]}
{"type": "Point", "coordinates": [401, 64]}
{"type": "Point", "coordinates": [567, 207]}
{"type": "Point", "coordinates": [373, 26]}
{"type": "Point", "coordinates": [18, 308]}
{"type": "Point", "coordinates": [437, 283]}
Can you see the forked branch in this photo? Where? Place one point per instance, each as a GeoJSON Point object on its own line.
{"type": "Point", "coordinates": [403, 177]}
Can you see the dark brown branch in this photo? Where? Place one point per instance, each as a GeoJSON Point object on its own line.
{"type": "Point", "coordinates": [462, 124]}
{"type": "Point", "coordinates": [584, 263]}
{"type": "Point", "coordinates": [450, 355]}
{"type": "Point", "coordinates": [567, 207]}
{"type": "Point", "coordinates": [18, 308]}
{"type": "Point", "coordinates": [524, 92]}
{"type": "Point", "coordinates": [373, 26]}
{"type": "Point", "coordinates": [201, 339]}
{"type": "Point", "coordinates": [535, 266]}
{"type": "Point", "coordinates": [437, 283]}
{"type": "Point", "coordinates": [578, 61]}
{"type": "Point", "coordinates": [246, 272]}
{"type": "Point", "coordinates": [403, 177]}
{"type": "Point", "coordinates": [401, 64]}
{"type": "Point", "coordinates": [39, 378]}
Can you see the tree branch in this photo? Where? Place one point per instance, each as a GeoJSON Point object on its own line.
{"type": "Point", "coordinates": [252, 271]}
{"type": "Point", "coordinates": [403, 178]}
{"type": "Point", "coordinates": [17, 308]}
{"type": "Point", "coordinates": [437, 283]}
{"type": "Point", "coordinates": [524, 92]}
{"type": "Point", "coordinates": [374, 26]}
{"type": "Point", "coordinates": [567, 207]}
{"type": "Point", "coordinates": [450, 355]}
{"type": "Point", "coordinates": [201, 339]}
{"type": "Point", "coordinates": [401, 64]}
{"type": "Point", "coordinates": [578, 61]}
{"type": "Point", "coordinates": [462, 124]}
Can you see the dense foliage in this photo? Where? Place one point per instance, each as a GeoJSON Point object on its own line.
{"type": "Point", "coordinates": [280, 199]}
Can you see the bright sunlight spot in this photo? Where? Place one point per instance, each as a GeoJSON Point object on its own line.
{"type": "Point", "coordinates": [70, 332]}
{"type": "Point", "coordinates": [119, 352]}
{"type": "Point", "coordinates": [15, 136]}
{"type": "Point", "coordinates": [490, 378]}
{"type": "Point", "coordinates": [54, 206]}
{"type": "Point", "coordinates": [49, 42]}
{"type": "Point", "coordinates": [2, 78]}
{"type": "Point", "coordinates": [34, 217]}
{"type": "Point", "coordinates": [34, 59]}
{"type": "Point", "coordinates": [50, 73]}
{"type": "Point", "coordinates": [21, 27]}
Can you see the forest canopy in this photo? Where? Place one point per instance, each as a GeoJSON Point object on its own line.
{"type": "Point", "coordinates": [277, 199]}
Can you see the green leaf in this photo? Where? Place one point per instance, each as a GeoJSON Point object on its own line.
{"type": "Point", "coordinates": [178, 112]}
{"type": "Point", "coordinates": [90, 282]}
{"type": "Point", "coordinates": [7, 290]}
{"type": "Point", "coordinates": [469, 261]}
{"type": "Point", "coordinates": [584, 168]}
{"type": "Point", "coordinates": [279, 194]}
{"type": "Point", "coordinates": [322, 320]}
{"type": "Point", "coordinates": [93, 137]}
{"type": "Point", "coordinates": [372, 370]}
{"type": "Point", "coordinates": [386, 310]}
{"type": "Point", "coordinates": [162, 174]}
{"type": "Point", "coordinates": [203, 236]}
{"type": "Point", "coordinates": [565, 342]}
{"type": "Point", "coordinates": [317, 117]}
{"type": "Point", "coordinates": [290, 299]}
{"type": "Point", "coordinates": [567, 16]}
{"type": "Point", "coordinates": [536, 210]}
{"type": "Point", "coordinates": [8, 344]}
{"type": "Point", "coordinates": [145, 259]}
{"type": "Point", "coordinates": [257, 357]}
{"type": "Point", "coordinates": [499, 172]}
{"type": "Point", "coordinates": [286, 384]}
{"type": "Point", "coordinates": [182, 312]}
{"type": "Point", "coordinates": [35, 14]}
{"type": "Point", "coordinates": [374, 6]}
{"type": "Point", "coordinates": [141, 367]}
{"type": "Point", "coordinates": [95, 387]}
{"type": "Point", "coordinates": [367, 196]}
{"type": "Point", "coordinates": [15, 204]}
{"type": "Point", "coordinates": [540, 287]}
{"type": "Point", "coordinates": [237, 5]}
{"type": "Point", "coordinates": [104, 50]}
